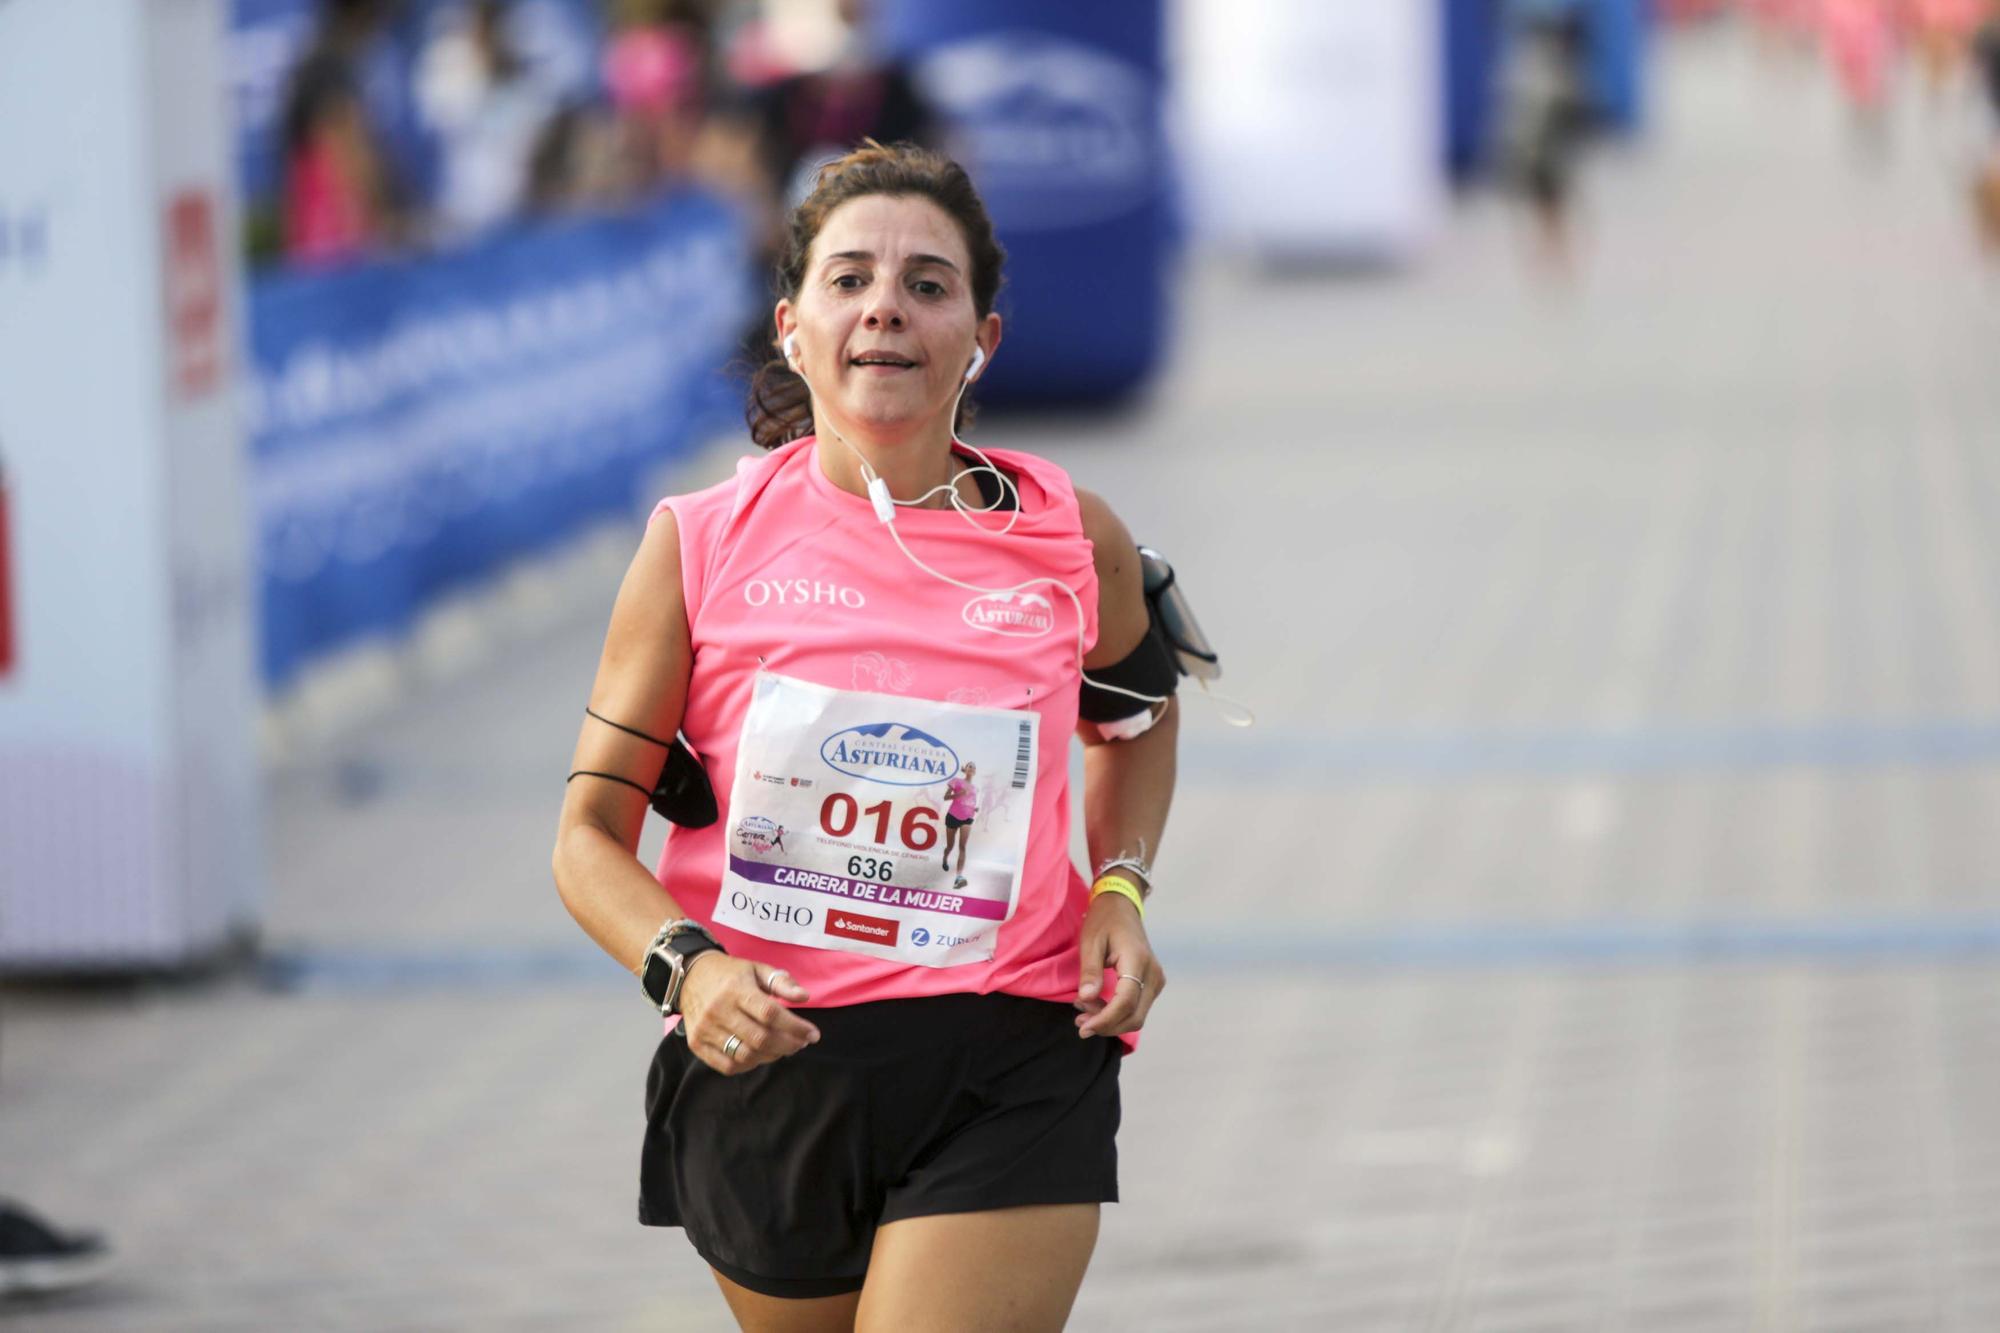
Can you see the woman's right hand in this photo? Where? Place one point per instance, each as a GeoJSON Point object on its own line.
{"type": "Point", "coordinates": [726, 996]}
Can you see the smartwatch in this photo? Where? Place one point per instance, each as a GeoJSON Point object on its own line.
{"type": "Point", "coordinates": [665, 971]}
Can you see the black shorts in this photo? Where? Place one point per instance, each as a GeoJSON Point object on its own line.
{"type": "Point", "coordinates": [903, 1108]}
{"type": "Point", "coordinates": [953, 821]}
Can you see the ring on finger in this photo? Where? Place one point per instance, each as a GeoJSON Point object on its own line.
{"type": "Point", "coordinates": [1127, 976]}
{"type": "Point", "coordinates": [732, 1046]}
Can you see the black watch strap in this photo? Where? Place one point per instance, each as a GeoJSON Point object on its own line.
{"type": "Point", "coordinates": [674, 948]}
{"type": "Point", "coordinates": [673, 1003]}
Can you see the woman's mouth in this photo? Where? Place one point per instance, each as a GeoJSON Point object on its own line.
{"type": "Point", "coordinates": [881, 363]}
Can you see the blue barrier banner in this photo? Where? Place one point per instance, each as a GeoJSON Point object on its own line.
{"type": "Point", "coordinates": [1472, 45]}
{"type": "Point", "coordinates": [1058, 111]}
{"type": "Point", "coordinates": [417, 424]}
{"type": "Point", "coordinates": [1621, 32]}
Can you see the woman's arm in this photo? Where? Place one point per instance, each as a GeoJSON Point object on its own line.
{"type": "Point", "coordinates": [1127, 789]}
{"type": "Point", "coordinates": [642, 682]}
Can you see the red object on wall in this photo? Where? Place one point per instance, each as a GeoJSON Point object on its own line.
{"type": "Point", "coordinates": [6, 584]}
{"type": "Point", "coordinates": [194, 293]}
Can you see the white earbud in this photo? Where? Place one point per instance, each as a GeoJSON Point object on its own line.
{"type": "Point", "coordinates": [978, 360]}
{"type": "Point", "coordinates": [792, 350]}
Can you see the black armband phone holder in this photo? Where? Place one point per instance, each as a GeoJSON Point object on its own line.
{"type": "Point", "coordinates": [682, 794]}
{"type": "Point", "coordinates": [1173, 617]}
{"type": "Point", "coordinates": [1174, 646]}
{"type": "Point", "coordinates": [1148, 669]}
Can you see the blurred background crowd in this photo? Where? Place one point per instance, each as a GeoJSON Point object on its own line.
{"type": "Point", "coordinates": [374, 126]}
{"type": "Point", "coordinates": [400, 126]}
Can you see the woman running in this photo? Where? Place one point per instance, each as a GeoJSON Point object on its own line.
{"type": "Point", "coordinates": [872, 1108]}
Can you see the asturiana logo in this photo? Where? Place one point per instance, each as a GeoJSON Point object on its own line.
{"type": "Point", "coordinates": [1024, 615]}
{"type": "Point", "coordinates": [890, 752]}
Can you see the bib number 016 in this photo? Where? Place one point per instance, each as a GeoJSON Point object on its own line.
{"type": "Point", "coordinates": [839, 814]}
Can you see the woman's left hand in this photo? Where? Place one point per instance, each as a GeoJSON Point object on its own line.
{"type": "Point", "coordinates": [1114, 939]}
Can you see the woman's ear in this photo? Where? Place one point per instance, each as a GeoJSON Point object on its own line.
{"type": "Point", "coordinates": [988, 338]}
{"type": "Point", "coordinates": [787, 333]}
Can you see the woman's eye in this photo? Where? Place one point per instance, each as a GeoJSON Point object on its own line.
{"type": "Point", "coordinates": [849, 282]}
{"type": "Point", "coordinates": [925, 287]}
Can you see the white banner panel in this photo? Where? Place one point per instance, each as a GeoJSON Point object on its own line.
{"type": "Point", "coordinates": [1310, 128]}
{"type": "Point", "coordinates": [128, 825]}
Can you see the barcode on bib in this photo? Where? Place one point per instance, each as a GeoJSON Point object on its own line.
{"type": "Point", "coordinates": [1024, 754]}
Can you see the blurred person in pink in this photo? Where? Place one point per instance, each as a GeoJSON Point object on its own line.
{"type": "Point", "coordinates": [1860, 39]}
{"type": "Point", "coordinates": [879, 1100]}
{"type": "Point", "coordinates": [1792, 20]}
{"type": "Point", "coordinates": [655, 71]}
{"type": "Point", "coordinates": [339, 200]}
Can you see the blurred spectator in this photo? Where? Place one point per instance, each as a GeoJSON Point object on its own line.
{"type": "Point", "coordinates": [488, 112]}
{"type": "Point", "coordinates": [1785, 22]}
{"type": "Point", "coordinates": [1860, 37]}
{"type": "Point", "coordinates": [576, 164]}
{"type": "Point", "coordinates": [1944, 28]}
{"type": "Point", "coordinates": [1986, 56]}
{"type": "Point", "coordinates": [745, 97]}
{"type": "Point", "coordinates": [1549, 113]}
{"type": "Point", "coordinates": [339, 198]}
{"type": "Point", "coordinates": [812, 116]}
{"type": "Point", "coordinates": [655, 71]}
{"type": "Point", "coordinates": [747, 43]}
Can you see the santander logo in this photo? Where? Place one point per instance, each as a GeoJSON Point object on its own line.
{"type": "Point", "coordinates": [1022, 615]}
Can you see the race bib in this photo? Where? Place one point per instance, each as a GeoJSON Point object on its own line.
{"type": "Point", "coordinates": [838, 833]}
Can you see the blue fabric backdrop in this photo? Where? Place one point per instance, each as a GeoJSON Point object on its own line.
{"type": "Point", "coordinates": [417, 424]}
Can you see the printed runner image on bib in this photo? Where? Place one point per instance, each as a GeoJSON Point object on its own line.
{"type": "Point", "coordinates": [851, 813]}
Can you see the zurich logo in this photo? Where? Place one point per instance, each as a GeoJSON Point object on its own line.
{"type": "Point", "coordinates": [1024, 615]}
{"type": "Point", "coordinates": [920, 936]}
{"type": "Point", "coordinates": [890, 752]}
{"type": "Point", "coordinates": [1060, 134]}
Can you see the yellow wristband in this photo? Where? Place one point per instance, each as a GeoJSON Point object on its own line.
{"type": "Point", "coordinates": [1123, 887]}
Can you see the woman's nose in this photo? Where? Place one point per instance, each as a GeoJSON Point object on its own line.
{"type": "Point", "coordinates": [884, 313]}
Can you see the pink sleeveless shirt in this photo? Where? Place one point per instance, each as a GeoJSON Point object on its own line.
{"type": "Point", "coordinates": [785, 572]}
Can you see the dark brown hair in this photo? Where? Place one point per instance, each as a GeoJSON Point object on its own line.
{"type": "Point", "coordinates": [780, 408]}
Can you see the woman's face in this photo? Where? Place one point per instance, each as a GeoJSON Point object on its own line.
{"type": "Point", "coordinates": [970, 770]}
{"type": "Point", "coordinates": [884, 317]}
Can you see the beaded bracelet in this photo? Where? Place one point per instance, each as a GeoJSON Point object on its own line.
{"type": "Point", "coordinates": [1136, 866]}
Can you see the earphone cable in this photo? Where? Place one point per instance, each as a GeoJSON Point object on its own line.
{"type": "Point", "coordinates": [885, 510]}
